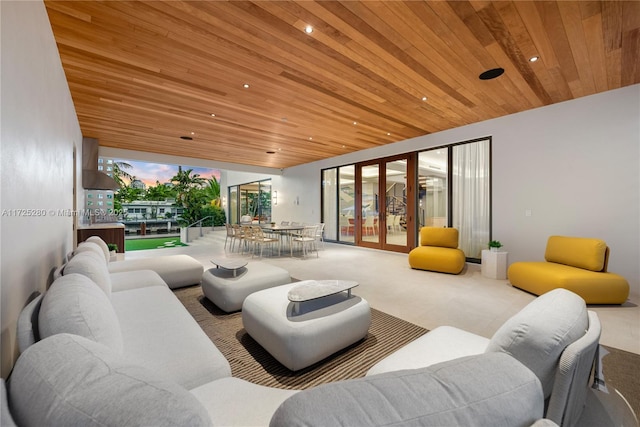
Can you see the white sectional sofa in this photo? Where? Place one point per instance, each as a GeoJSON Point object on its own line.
{"type": "Point", "coordinates": [119, 349]}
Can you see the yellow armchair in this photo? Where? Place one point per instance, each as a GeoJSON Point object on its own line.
{"type": "Point", "coordinates": [575, 263]}
{"type": "Point", "coordinates": [438, 251]}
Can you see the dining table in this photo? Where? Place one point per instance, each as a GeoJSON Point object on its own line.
{"type": "Point", "coordinates": [282, 230]}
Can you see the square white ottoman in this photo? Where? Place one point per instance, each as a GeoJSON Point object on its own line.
{"type": "Point", "coordinates": [300, 336]}
{"type": "Point", "coordinates": [227, 288]}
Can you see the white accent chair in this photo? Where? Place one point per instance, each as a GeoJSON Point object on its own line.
{"type": "Point", "coordinates": [548, 336]}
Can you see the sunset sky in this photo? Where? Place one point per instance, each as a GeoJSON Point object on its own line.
{"type": "Point", "coordinates": [150, 172]}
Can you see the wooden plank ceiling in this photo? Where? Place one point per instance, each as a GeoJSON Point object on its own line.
{"type": "Point", "coordinates": [143, 74]}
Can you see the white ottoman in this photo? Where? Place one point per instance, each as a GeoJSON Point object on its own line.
{"type": "Point", "coordinates": [227, 288]}
{"type": "Point", "coordinates": [299, 337]}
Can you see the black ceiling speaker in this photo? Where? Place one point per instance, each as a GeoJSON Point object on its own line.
{"type": "Point", "coordinates": [491, 74]}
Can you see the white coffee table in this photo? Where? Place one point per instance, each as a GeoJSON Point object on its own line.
{"type": "Point", "coordinates": [230, 264]}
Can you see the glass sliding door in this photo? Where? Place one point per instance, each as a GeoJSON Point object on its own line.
{"type": "Point", "coordinates": [385, 203]}
{"type": "Point", "coordinates": [330, 203]}
{"type": "Point", "coordinates": [471, 195]}
{"type": "Point", "coordinates": [367, 217]}
{"type": "Point", "coordinates": [346, 203]}
{"type": "Point", "coordinates": [433, 188]}
{"type": "Point", "coordinates": [396, 212]}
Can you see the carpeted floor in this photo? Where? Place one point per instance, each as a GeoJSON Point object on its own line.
{"type": "Point", "coordinates": [250, 361]}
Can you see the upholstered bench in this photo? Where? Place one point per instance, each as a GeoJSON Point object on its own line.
{"type": "Point", "coordinates": [299, 334]}
{"type": "Point", "coordinates": [227, 288]}
{"type": "Point", "coordinates": [578, 264]}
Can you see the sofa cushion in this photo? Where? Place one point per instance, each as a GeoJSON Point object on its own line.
{"type": "Point", "coordinates": [159, 332]}
{"type": "Point", "coordinates": [102, 245]}
{"type": "Point", "coordinates": [578, 252]}
{"type": "Point", "coordinates": [91, 265]}
{"type": "Point", "coordinates": [439, 236]}
{"type": "Point", "coordinates": [484, 390]}
{"type": "Point", "coordinates": [226, 401]}
{"type": "Point", "coordinates": [176, 270]}
{"type": "Point", "coordinates": [75, 305]}
{"type": "Point", "coordinates": [68, 380]}
{"type": "Point", "coordinates": [88, 247]}
{"type": "Point", "coordinates": [538, 334]}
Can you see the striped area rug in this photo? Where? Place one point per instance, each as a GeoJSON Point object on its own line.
{"type": "Point", "coordinates": [250, 361]}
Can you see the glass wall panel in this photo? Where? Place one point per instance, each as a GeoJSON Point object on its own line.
{"type": "Point", "coordinates": [370, 203]}
{"type": "Point", "coordinates": [396, 202]}
{"type": "Point", "coordinates": [330, 203]}
{"type": "Point", "coordinates": [346, 203]}
{"type": "Point", "coordinates": [264, 206]}
{"type": "Point", "coordinates": [471, 196]}
{"type": "Point", "coordinates": [252, 199]}
{"type": "Point", "coordinates": [432, 188]}
{"type": "Point", "coordinates": [233, 205]}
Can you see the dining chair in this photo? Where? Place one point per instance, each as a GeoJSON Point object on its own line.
{"type": "Point", "coordinates": [237, 236]}
{"type": "Point", "coordinates": [247, 237]}
{"type": "Point", "coordinates": [346, 227]}
{"type": "Point", "coordinates": [229, 235]}
{"type": "Point", "coordinates": [259, 238]}
{"type": "Point", "coordinates": [369, 224]}
{"type": "Point", "coordinates": [284, 222]}
{"type": "Point", "coordinates": [396, 223]}
{"type": "Point", "coordinates": [390, 220]}
{"type": "Point", "coordinates": [307, 239]}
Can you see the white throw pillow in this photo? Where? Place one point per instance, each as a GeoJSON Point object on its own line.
{"type": "Point", "coordinates": [75, 305]}
{"type": "Point", "coordinates": [67, 380]}
{"type": "Point", "coordinates": [91, 265]}
{"type": "Point", "coordinates": [539, 333]}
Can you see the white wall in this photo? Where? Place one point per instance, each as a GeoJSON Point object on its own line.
{"type": "Point", "coordinates": [574, 165]}
{"type": "Point", "coordinates": [39, 132]}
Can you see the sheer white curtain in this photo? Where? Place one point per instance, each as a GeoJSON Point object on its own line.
{"type": "Point", "coordinates": [471, 201]}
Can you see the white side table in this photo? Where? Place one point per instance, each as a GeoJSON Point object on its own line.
{"type": "Point", "coordinates": [494, 264]}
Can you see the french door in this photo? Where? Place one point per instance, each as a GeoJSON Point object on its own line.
{"type": "Point", "coordinates": [385, 203]}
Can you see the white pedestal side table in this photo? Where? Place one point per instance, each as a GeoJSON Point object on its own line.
{"type": "Point", "coordinates": [494, 264]}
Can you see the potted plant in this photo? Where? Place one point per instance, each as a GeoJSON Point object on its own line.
{"type": "Point", "coordinates": [113, 248]}
{"type": "Point", "coordinates": [494, 245]}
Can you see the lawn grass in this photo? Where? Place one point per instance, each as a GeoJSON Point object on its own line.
{"type": "Point", "coordinates": [156, 243]}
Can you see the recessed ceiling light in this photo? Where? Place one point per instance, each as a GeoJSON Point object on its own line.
{"type": "Point", "coordinates": [388, 133]}
{"type": "Point", "coordinates": [213, 114]}
{"type": "Point", "coordinates": [310, 138]}
{"type": "Point", "coordinates": [186, 138]}
{"type": "Point", "coordinates": [355, 123]}
{"type": "Point", "coordinates": [271, 152]}
{"type": "Point", "coordinates": [308, 29]}
{"type": "Point", "coordinates": [534, 58]}
{"type": "Point", "coordinates": [193, 133]}
{"type": "Point", "coordinates": [491, 74]}
{"type": "Point", "coordinates": [424, 98]}
{"type": "Point", "coordinates": [246, 85]}
{"type": "Point", "coordinates": [343, 146]}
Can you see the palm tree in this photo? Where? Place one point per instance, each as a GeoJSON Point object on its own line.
{"type": "Point", "coordinates": [212, 191]}
{"type": "Point", "coordinates": [189, 194]}
{"type": "Point", "coordinates": [119, 173]}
